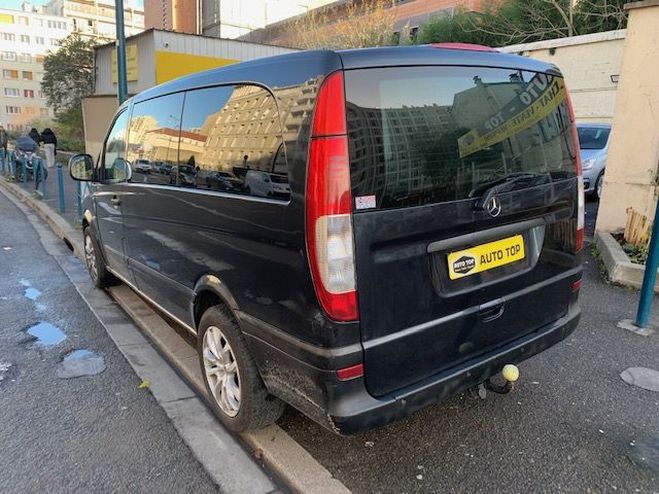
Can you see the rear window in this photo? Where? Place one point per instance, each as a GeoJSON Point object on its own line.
{"type": "Point", "coordinates": [421, 135]}
{"type": "Point", "coordinates": [593, 137]}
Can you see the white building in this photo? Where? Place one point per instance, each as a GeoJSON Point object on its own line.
{"type": "Point", "coordinates": [25, 38]}
{"type": "Point", "coordinates": [234, 18]}
{"type": "Point", "coordinates": [96, 18]}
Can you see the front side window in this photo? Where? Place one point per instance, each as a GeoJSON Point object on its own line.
{"type": "Point", "coordinates": [231, 142]}
{"type": "Point", "coordinates": [593, 137]}
{"type": "Point", "coordinates": [114, 151]}
{"type": "Point", "coordinates": [421, 135]}
{"type": "Point", "coordinates": [154, 139]}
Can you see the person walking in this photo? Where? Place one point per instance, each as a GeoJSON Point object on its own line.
{"type": "Point", "coordinates": [4, 140]}
{"type": "Point", "coordinates": [50, 146]}
{"type": "Point", "coordinates": [34, 134]}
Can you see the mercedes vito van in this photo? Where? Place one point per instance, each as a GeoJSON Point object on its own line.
{"type": "Point", "coordinates": [429, 232]}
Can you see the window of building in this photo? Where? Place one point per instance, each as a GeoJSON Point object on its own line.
{"type": "Point", "coordinates": [8, 37]}
{"type": "Point", "coordinates": [25, 38]}
{"type": "Point", "coordinates": [39, 22]}
{"type": "Point", "coordinates": [12, 92]}
{"type": "Point", "coordinates": [53, 42]}
{"type": "Point", "coordinates": [13, 110]}
{"type": "Point", "coordinates": [44, 112]}
{"type": "Point", "coordinates": [40, 40]}
{"type": "Point", "coordinates": [40, 94]}
{"type": "Point", "coordinates": [9, 55]}
{"type": "Point", "coordinates": [24, 21]}
{"type": "Point", "coordinates": [27, 75]}
{"type": "Point", "coordinates": [10, 74]}
{"type": "Point", "coordinates": [28, 93]}
{"type": "Point", "coordinates": [39, 59]}
{"type": "Point", "coordinates": [26, 57]}
{"type": "Point", "coordinates": [153, 140]}
{"type": "Point", "coordinates": [231, 141]}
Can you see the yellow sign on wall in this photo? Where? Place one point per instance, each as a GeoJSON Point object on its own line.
{"type": "Point", "coordinates": [6, 19]}
{"type": "Point", "coordinates": [131, 64]}
{"type": "Point", "coordinates": [170, 65]}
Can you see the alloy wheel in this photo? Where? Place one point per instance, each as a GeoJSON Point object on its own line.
{"type": "Point", "coordinates": [221, 371]}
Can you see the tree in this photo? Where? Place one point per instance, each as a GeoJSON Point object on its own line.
{"type": "Point", "coordinates": [523, 21]}
{"type": "Point", "coordinates": [354, 24]}
{"type": "Point", "coordinates": [69, 73]}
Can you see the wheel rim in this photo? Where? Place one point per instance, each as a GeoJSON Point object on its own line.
{"type": "Point", "coordinates": [90, 258]}
{"type": "Point", "coordinates": [599, 184]}
{"type": "Point", "coordinates": [221, 371]}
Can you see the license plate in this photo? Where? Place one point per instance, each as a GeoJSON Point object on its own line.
{"type": "Point", "coordinates": [485, 256]}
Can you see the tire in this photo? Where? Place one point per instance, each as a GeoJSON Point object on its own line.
{"type": "Point", "coordinates": [599, 184]}
{"type": "Point", "coordinates": [96, 267]}
{"type": "Point", "coordinates": [254, 407]}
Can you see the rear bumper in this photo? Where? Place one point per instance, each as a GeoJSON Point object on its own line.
{"type": "Point", "coordinates": [308, 380]}
{"type": "Point", "coordinates": [356, 410]}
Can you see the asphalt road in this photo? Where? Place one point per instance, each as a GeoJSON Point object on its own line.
{"type": "Point", "coordinates": [572, 425]}
{"type": "Point", "coordinates": [97, 433]}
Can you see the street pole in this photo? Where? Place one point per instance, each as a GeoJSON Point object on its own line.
{"type": "Point", "coordinates": [122, 82]}
{"type": "Point", "coordinates": [650, 276]}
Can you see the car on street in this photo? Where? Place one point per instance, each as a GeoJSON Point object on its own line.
{"type": "Point", "coordinates": [220, 180]}
{"type": "Point", "coordinates": [143, 166]}
{"type": "Point", "coordinates": [416, 229]}
{"type": "Point", "coordinates": [266, 184]}
{"type": "Point", "coordinates": [594, 144]}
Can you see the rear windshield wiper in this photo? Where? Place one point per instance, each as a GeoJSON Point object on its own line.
{"type": "Point", "coordinates": [503, 184]}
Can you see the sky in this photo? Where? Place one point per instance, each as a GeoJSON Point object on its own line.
{"type": "Point", "coordinates": [16, 4]}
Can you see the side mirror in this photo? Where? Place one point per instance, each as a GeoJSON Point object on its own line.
{"type": "Point", "coordinates": [81, 167]}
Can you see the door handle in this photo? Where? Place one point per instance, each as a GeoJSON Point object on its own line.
{"type": "Point", "coordinates": [491, 310]}
{"type": "Point", "coordinates": [115, 200]}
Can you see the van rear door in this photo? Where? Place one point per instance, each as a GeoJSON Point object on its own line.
{"type": "Point", "coordinates": [464, 186]}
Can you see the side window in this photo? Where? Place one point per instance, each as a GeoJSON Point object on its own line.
{"type": "Point", "coordinates": [231, 142]}
{"type": "Point", "coordinates": [153, 139]}
{"type": "Point", "coordinates": [114, 150]}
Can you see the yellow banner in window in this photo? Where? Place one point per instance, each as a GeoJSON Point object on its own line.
{"type": "Point", "coordinates": [503, 128]}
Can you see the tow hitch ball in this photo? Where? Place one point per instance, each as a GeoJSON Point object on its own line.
{"type": "Point", "coordinates": [510, 374]}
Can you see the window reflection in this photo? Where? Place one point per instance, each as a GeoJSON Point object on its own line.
{"type": "Point", "coordinates": [115, 149]}
{"type": "Point", "coordinates": [153, 140]}
{"type": "Point", "coordinates": [231, 141]}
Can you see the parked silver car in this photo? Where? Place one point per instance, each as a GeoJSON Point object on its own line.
{"type": "Point", "coordinates": [594, 143]}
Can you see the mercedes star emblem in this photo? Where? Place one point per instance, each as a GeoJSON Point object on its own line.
{"type": "Point", "coordinates": [494, 207]}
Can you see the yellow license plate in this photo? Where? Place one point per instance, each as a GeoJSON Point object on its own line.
{"type": "Point", "coordinates": [485, 256]}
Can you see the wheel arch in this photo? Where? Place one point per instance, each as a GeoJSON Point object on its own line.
{"type": "Point", "coordinates": [209, 291]}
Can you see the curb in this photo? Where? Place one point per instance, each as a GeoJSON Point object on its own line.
{"type": "Point", "coordinates": [618, 265]}
{"type": "Point", "coordinates": [289, 461]}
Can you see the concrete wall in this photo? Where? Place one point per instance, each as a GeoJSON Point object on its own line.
{"type": "Point", "coordinates": [97, 112]}
{"type": "Point", "coordinates": [633, 160]}
{"type": "Point", "coordinates": [587, 62]}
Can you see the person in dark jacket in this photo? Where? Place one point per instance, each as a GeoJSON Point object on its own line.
{"type": "Point", "coordinates": [34, 134]}
{"type": "Point", "coordinates": [49, 145]}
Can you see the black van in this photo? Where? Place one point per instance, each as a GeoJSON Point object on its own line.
{"type": "Point", "coordinates": [356, 233]}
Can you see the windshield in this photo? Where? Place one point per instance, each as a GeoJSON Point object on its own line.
{"type": "Point", "coordinates": [421, 135]}
{"type": "Point", "coordinates": [593, 137]}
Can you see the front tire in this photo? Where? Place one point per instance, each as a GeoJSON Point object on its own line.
{"type": "Point", "coordinates": [599, 184]}
{"type": "Point", "coordinates": [235, 389]}
{"type": "Point", "coordinates": [96, 267]}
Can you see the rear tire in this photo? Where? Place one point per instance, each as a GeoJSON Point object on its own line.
{"type": "Point", "coordinates": [235, 389]}
{"type": "Point", "coordinates": [96, 267]}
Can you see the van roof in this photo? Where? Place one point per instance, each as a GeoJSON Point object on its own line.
{"type": "Point", "coordinates": [294, 68]}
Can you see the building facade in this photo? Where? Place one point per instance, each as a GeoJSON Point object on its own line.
{"type": "Point", "coordinates": [406, 18]}
{"type": "Point", "coordinates": [96, 18]}
{"type": "Point", "coordinates": [235, 18]}
{"type": "Point", "coordinates": [181, 16]}
{"type": "Point", "coordinates": [25, 38]}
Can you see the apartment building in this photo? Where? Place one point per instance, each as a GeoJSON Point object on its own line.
{"type": "Point", "coordinates": [25, 38]}
{"type": "Point", "coordinates": [181, 16]}
{"type": "Point", "coordinates": [96, 18]}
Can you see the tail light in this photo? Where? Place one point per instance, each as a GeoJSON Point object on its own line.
{"type": "Point", "coordinates": [581, 203]}
{"type": "Point", "coordinates": [329, 205]}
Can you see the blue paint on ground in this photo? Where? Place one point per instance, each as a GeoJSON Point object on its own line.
{"type": "Point", "coordinates": [47, 334]}
{"type": "Point", "coordinates": [32, 293]}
